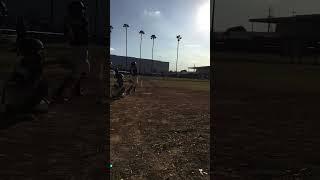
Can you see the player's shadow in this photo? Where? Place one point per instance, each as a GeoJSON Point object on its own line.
{"type": "Point", "coordinates": [7, 121]}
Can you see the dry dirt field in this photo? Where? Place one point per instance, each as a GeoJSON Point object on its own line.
{"type": "Point", "coordinates": [162, 132]}
{"type": "Point", "coordinates": [68, 143]}
{"type": "Point", "coordinates": [266, 119]}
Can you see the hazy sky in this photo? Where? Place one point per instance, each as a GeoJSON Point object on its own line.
{"type": "Point", "coordinates": [237, 12]}
{"type": "Point", "coordinates": [165, 19]}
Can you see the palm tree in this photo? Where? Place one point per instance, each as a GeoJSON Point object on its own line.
{"type": "Point", "coordinates": [126, 26]}
{"type": "Point", "coordinates": [141, 33]}
{"type": "Point", "coordinates": [153, 37]}
{"type": "Point", "coordinates": [178, 38]}
{"type": "Point", "coordinates": [110, 27]}
{"type": "Point", "coordinates": [110, 30]}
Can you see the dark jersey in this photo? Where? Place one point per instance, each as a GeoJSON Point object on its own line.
{"type": "Point", "coordinates": [133, 70]}
{"type": "Point", "coordinates": [76, 31]}
{"type": "Point", "coordinates": [3, 12]}
{"type": "Point", "coordinates": [120, 79]}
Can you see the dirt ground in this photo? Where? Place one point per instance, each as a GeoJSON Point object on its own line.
{"type": "Point", "coordinates": [266, 120]}
{"type": "Point", "coordinates": [67, 143]}
{"type": "Point", "coordinates": [160, 133]}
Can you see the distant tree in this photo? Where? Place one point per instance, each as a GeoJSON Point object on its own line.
{"type": "Point", "coordinates": [178, 39]}
{"type": "Point", "coordinates": [153, 37]}
{"type": "Point", "coordinates": [126, 26]}
{"type": "Point", "coordinates": [110, 28]}
{"type": "Point", "coordinates": [141, 33]}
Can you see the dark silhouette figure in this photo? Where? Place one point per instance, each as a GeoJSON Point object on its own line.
{"type": "Point", "coordinates": [3, 12]}
{"type": "Point", "coordinates": [26, 87]}
{"type": "Point", "coordinates": [76, 25]}
{"type": "Point", "coordinates": [76, 33]}
{"type": "Point", "coordinates": [119, 87]}
{"type": "Point", "coordinates": [134, 77]}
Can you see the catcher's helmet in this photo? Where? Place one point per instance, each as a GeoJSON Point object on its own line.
{"type": "Point", "coordinates": [31, 46]}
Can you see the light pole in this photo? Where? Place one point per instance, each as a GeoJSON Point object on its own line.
{"type": "Point", "coordinates": [141, 33]}
{"type": "Point", "coordinates": [126, 26]}
{"type": "Point", "coordinates": [178, 38]}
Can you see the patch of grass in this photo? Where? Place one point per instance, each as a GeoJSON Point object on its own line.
{"type": "Point", "coordinates": [183, 83]}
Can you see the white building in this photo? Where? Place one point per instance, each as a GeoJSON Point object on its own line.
{"type": "Point", "coordinates": [145, 66]}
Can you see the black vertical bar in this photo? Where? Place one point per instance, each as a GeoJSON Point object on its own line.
{"type": "Point", "coordinates": [51, 12]}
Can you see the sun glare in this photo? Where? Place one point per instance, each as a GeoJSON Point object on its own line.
{"type": "Point", "coordinates": [203, 17]}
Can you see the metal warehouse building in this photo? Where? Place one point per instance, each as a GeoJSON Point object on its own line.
{"type": "Point", "coordinates": [145, 66]}
{"type": "Point", "coordinates": [48, 15]}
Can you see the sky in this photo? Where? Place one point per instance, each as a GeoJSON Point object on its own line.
{"type": "Point", "coordinates": [230, 13]}
{"type": "Point", "coordinates": [166, 19]}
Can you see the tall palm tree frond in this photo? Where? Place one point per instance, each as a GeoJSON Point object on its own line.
{"type": "Point", "coordinates": [141, 32]}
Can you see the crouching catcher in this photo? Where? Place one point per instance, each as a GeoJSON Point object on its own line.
{"type": "Point", "coordinates": [27, 89]}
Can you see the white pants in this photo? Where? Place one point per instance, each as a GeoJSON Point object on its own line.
{"type": "Point", "coordinates": [134, 80]}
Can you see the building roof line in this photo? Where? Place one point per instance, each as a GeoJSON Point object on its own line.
{"type": "Point", "coordinates": [138, 58]}
{"type": "Point", "coordinates": [308, 17]}
{"type": "Point", "coordinates": [199, 67]}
